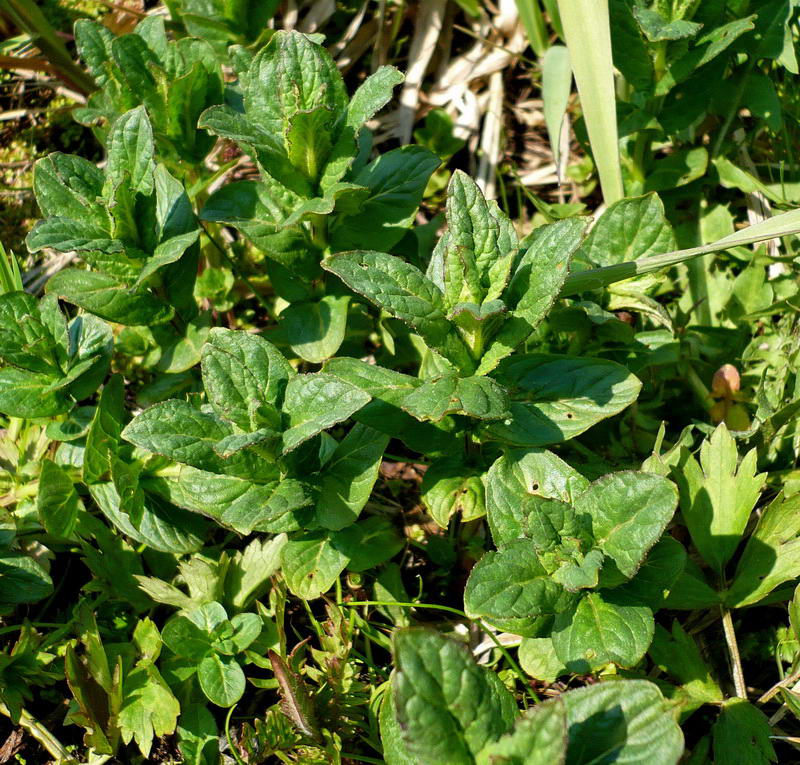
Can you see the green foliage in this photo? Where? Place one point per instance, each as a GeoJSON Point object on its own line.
{"type": "Point", "coordinates": [300, 395]}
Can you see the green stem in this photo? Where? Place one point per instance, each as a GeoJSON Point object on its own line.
{"type": "Point", "coordinates": [227, 258]}
{"type": "Point", "coordinates": [53, 746]}
{"type": "Point", "coordinates": [733, 106]}
{"type": "Point", "coordinates": [733, 654]}
{"type": "Point", "coordinates": [435, 607]}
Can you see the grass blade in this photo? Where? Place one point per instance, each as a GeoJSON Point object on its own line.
{"type": "Point", "coordinates": [588, 37]}
{"type": "Point", "coordinates": [785, 224]}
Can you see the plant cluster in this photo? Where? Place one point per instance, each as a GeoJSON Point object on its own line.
{"type": "Point", "coordinates": [289, 474]}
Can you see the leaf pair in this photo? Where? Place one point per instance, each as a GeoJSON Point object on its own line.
{"type": "Point", "coordinates": [133, 225]}
{"type": "Point", "coordinates": [481, 298]}
{"type": "Point", "coordinates": [568, 557]}
{"type": "Point", "coordinates": [209, 643]}
{"type": "Point", "coordinates": [447, 710]}
{"type": "Point", "coordinates": [50, 363]}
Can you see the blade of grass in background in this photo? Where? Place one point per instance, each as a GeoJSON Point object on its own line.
{"type": "Point", "coordinates": [530, 13]}
{"type": "Point", "coordinates": [588, 37]}
{"type": "Point", "coordinates": [29, 18]}
{"type": "Point", "coordinates": [10, 277]}
{"type": "Point", "coordinates": [556, 85]}
{"type": "Point", "coordinates": [785, 224]}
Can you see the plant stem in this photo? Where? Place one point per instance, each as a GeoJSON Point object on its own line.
{"type": "Point", "coordinates": [733, 654]}
{"type": "Point", "coordinates": [262, 301]}
{"type": "Point", "coordinates": [53, 746]}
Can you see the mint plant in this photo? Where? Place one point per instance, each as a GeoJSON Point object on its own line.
{"type": "Point", "coordinates": [312, 452]}
{"type": "Point", "coordinates": [174, 80]}
{"type": "Point", "coordinates": [134, 226]}
{"type": "Point", "coordinates": [318, 192]}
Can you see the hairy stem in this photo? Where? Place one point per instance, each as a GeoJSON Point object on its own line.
{"type": "Point", "coordinates": [733, 654]}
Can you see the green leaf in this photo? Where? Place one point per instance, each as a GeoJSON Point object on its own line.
{"type": "Point", "coordinates": [450, 486]}
{"type": "Point", "coordinates": [315, 402]}
{"type": "Point", "coordinates": [244, 377]}
{"type": "Point", "coordinates": [197, 735]}
{"type": "Point", "coordinates": [404, 292]}
{"type": "Point", "coordinates": [537, 657]}
{"type": "Point", "coordinates": [65, 234]}
{"type": "Point", "coordinates": [221, 679]}
{"type": "Point", "coordinates": [556, 398]}
{"type": "Point", "coordinates": [22, 579]}
{"type": "Point", "coordinates": [315, 330]}
{"type": "Point", "coordinates": [599, 631]}
{"type": "Point", "coordinates": [389, 390]}
{"type": "Point", "coordinates": [25, 341]}
{"type": "Point", "coordinates": [57, 501]}
{"type": "Point", "coordinates": [742, 735]}
{"type": "Point", "coordinates": [705, 49]}
{"type": "Point", "coordinates": [30, 395]}
{"type": "Point", "coordinates": [273, 507]}
{"type": "Point", "coordinates": [771, 556]}
{"type": "Point", "coordinates": [479, 397]}
{"type": "Point", "coordinates": [346, 481]}
{"type": "Point", "coordinates": [511, 589]}
{"type": "Point", "coordinates": [246, 628]}
{"type": "Point", "coordinates": [556, 85]}
{"type": "Point", "coordinates": [448, 707]}
{"type": "Point", "coordinates": [102, 440]}
{"type": "Point", "coordinates": [658, 573]}
{"type": "Point", "coordinates": [678, 655]}
{"type": "Point", "coordinates": [621, 721]}
{"type": "Point", "coordinates": [311, 564]}
{"type": "Point", "coordinates": [658, 29]}
{"type": "Point", "coordinates": [162, 526]}
{"type": "Point", "coordinates": [395, 181]}
{"type": "Point", "coordinates": [472, 262]}
{"type": "Point", "coordinates": [519, 482]}
{"type": "Point", "coordinates": [148, 708]}
{"type": "Point", "coordinates": [167, 252]}
{"type": "Point", "coordinates": [110, 299]}
{"type": "Point", "coordinates": [250, 569]}
{"type": "Point", "coordinates": [717, 497]}
{"type": "Point", "coordinates": [679, 168]}
{"type": "Point", "coordinates": [539, 737]}
{"type": "Point", "coordinates": [368, 543]}
{"type": "Point", "coordinates": [629, 512]}
{"type": "Point", "coordinates": [130, 152]}
{"type": "Point", "coordinates": [175, 429]}
{"type": "Point", "coordinates": [395, 751]}
{"type": "Point", "coordinates": [628, 229]}
{"type": "Point", "coordinates": [71, 187]}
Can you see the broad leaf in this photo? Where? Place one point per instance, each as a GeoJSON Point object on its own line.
{"type": "Point", "coordinates": [629, 511]}
{"type": "Point", "coordinates": [556, 398]}
{"type": "Point", "coordinates": [519, 482]}
{"type": "Point", "coordinates": [314, 403]}
{"type": "Point", "coordinates": [717, 497]}
{"type": "Point", "coordinates": [511, 589]}
{"type": "Point", "coordinates": [771, 556]}
{"type": "Point", "coordinates": [245, 377]}
{"type": "Point", "coordinates": [221, 679]}
{"type": "Point", "coordinates": [539, 737]}
{"type": "Point", "coordinates": [621, 721]}
{"type": "Point", "coordinates": [448, 707]}
{"type": "Point", "coordinates": [348, 477]}
{"type": "Point", "coordinates": [311, 564]}
{"type": "Point", "coordinates": [599, 630]}
{"type": "Point", "coordinates": [479, 397]}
